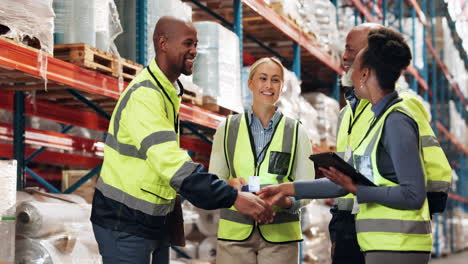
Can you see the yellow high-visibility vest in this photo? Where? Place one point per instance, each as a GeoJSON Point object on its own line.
{"type": "Point", "coordinates": [275, 168]}
{"type": "Point", "coordinates": [144, 168]}
{"type": "Point", "coordinates": [380, 227]}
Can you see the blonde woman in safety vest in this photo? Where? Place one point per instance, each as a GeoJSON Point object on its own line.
{"type": "Point", "coordinates": [392, 218]}
{"type": "Point", "coordinates": [258, 148]}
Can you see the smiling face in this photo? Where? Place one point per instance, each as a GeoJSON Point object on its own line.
{"type": "Point", "coordinates": [266, 83]}
{"type": "Point", "coordinates": [182, 49]}
{"type": "Point", "coordinates": [356, 40]}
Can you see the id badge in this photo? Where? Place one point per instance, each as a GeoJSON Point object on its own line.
{"type": "Point", "coordinates": [347, 154]}
{"type": "Point", "coordinates": [254, 183]}
{"type": "Point", "coordinates": [355, 209]}
{"type": "Point", "coordinates": [364, 166]}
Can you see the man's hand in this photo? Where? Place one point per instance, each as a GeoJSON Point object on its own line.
{"type": "Point", "coordinates": [249, 204]}
{"type": "Point", "coordinates": [278, 194]}
{"type": "Point", "coordinates": [236, 183]}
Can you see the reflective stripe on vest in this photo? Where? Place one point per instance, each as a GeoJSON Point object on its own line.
{"type": "Point", "coordinates": [241, 163]}
{"type": "Point", "coordinates": [393, 226]}
{"type": "Point", "coordinates": [380, 227]}
{"type": "Point", "coordinates": [236, 216]}
{"type": "Point", "coordinates": [360, 121]}
{"type": "Point", "coordinates": [436, 166]}
{"type": "Point", "coordinates": [133, 202]}
{"type": "Point", "coordinates": [126, 176]}
{"type": "Point", "coordinates": [345, 203]}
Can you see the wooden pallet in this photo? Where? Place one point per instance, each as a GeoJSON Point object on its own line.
{"type": "Point", "coordinates": [192, 97]}
{"type": "Point", "coordinates": [210, 103]}
{"type": "Point", "coordinates": [27, 44]}
{"type": "Point", "coordinates": [278, 8]}
{"type": "Point", "coordinates": [89, 57]}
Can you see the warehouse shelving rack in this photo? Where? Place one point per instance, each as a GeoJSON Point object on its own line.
{"type": "Point", "coordinates": [22, 71]}
{"type": "Point", "coordinates": [262, 32]}
{"type": "Point", "coordinates": [23, 64]}
{"type": "Point", "coordinates": [442, 88]}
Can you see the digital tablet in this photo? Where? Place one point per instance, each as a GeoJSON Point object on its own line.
{"type": "Point", "coordinates": [331, 159]}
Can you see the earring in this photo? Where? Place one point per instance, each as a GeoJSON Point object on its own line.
{"type": "Point", "coordinates": [362, 84]}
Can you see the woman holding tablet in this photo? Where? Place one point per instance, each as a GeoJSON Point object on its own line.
{"type": "Point", "coordinates": [392, 218]}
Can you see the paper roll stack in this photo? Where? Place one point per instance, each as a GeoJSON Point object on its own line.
{"type": "Point", "coordinates": [207, 248]}
{"type": "Point", "coordinates": [37, 219]}
{"type": "Point", "coordinates": [54, 250]}
{"type": "Point", "coordinates": [191, 249]}
{"type": "Point", "coordinates": [208, 222]}
{"type": "Point", "coordinates": [7, 210]}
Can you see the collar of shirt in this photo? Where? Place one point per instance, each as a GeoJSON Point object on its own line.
{"type": "Point", "coordinates": [383, 104]}
{"type": "Point", "coordinates": [274, 120]}
{"type": "Point", "coordinates": [350, 96]}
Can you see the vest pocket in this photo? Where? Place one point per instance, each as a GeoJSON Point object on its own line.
{"type": "Point", "coordinates": [279, 162]}
{"type": "Point", "coordinates": [164, 192]}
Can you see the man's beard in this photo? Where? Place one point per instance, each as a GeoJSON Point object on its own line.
{"type": "Point", "coordinates": [346, 80]}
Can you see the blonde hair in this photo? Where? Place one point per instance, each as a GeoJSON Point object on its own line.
{"type": "Point", "coordinates": [259, 62]}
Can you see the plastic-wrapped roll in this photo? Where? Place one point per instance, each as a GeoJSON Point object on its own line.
{"type": "Point", "coordinates": [55, 249]}
{"type": "Point", "coordinates": [188, 227]}
{"type": "Point", "coordinates": [7, 187]}
{"type": "Point", "coordinates": [23, 197]}
{"type": "Point", "coordinates": [37, 219]}
{"type": "Point", "coordinates": [7, 209]}
{"type": "Point", "coordinates": [208, 222]}
{"type": "Point", "coordinates": [191, 249]}
{"type": "Point", "coordinates": [190, 216]}
{"type": "Point", "coordinates": [207, 248]}
{"type": "Point", "coordinates": [58, 198]}
{"type": "Point", "coordinates": [31, 251]}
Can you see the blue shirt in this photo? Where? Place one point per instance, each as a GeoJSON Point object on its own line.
{"type": "Point", "coordinates": [261, 135]}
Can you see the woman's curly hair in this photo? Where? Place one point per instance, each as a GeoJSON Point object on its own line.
{"type": "Point", "coordinates": [388, 54]}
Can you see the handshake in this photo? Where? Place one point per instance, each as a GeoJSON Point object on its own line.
{"type": "Point", "coordinates": [259, 206]}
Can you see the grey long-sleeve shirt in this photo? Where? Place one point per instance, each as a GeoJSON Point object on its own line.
{"type": "Point", "coordinates": [398, 160]}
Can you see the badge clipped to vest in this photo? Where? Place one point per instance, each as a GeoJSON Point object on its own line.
{"type": "Point", "coordinates": [254, 184]}
{"type": "Point", "coordinates": [348, 154]}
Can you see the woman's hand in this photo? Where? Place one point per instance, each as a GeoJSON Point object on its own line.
{"type": "Point", "coordinates": [277, 194]}
{"type": "Point", "coordinates": [339, 178]}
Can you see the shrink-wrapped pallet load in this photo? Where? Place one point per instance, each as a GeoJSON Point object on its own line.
{"type": "Point", "coordinates": [217, 67]}
{"type": "Point", "coordinates": [18, 17]}
{"type": "Point", "coordinates": [7, 210]}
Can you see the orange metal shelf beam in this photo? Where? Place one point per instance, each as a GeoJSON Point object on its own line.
{"type": "Point", "coordinates": [444, 131]}
{"type": "Point", "coordinates": [16, 57]}
{"type": "Point", "coordinates": [419, 12]}
{"type": "Point", "coordinates": [457, 198]}
{"type": "Point", "coordinates": [56, 113]}
{"type": "Point", "coordinates": [367, 14]}
{"type": "Point", "coordinates": [293, 33]}
{"type": "Point", "coordinates": [27, 60]}
{"type": "Point", "coordinates": [54, 157]}
{"type": "Point", "coordinates": [363, 10]}
{"type": "Point", "coordinates": [446, 72]}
